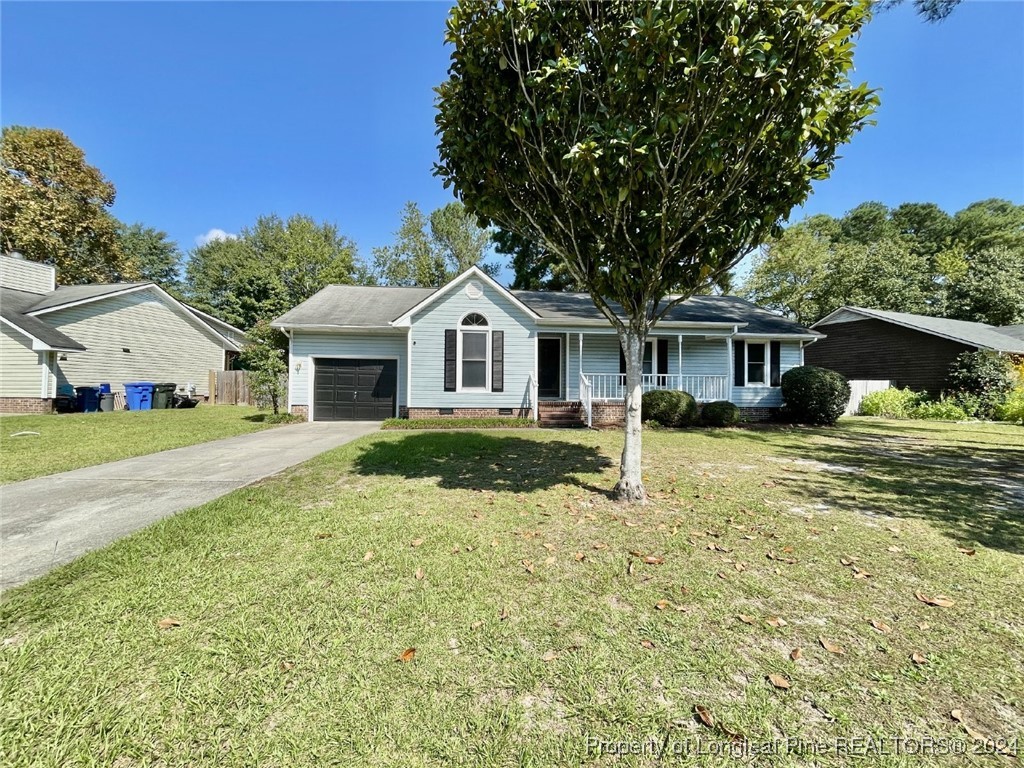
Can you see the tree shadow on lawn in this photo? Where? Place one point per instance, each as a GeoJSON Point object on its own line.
{"type": "Point", "coordinates": [477, 461]}
{"type": "Point", "coordinates": [976, 493]}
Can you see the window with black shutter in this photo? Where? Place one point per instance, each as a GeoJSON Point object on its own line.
{"type": "Point", "coordinates": [775, 360]}
{"type": "Point", "coordinates": [450, 362]}
{"type": "Point", "coordinates": [739, 363]}
{"type": "Point", "coordinates": [498, 361]}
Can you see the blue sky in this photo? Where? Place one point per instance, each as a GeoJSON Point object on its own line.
{"type": "Point", "coordinates": [206, 115]}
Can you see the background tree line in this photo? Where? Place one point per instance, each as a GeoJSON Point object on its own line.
{"type": "Point", "coordinates": [912, 258]}
{"type": "Point", "coordinates": [56, 210]}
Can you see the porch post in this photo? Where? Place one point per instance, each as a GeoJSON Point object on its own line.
{"type": "Point", "coordinates": [581, 352]}
{"type": "Point", "coordinates": [679, 339]}
{"type": "Point", "coordinates": [728, 370]}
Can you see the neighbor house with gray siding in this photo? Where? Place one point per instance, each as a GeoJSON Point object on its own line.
{"type": "Point", "coordinates": [474, 348]}
{"type": "Point", "coordinates": [53, 339]}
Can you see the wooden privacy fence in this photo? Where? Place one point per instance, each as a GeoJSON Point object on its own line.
{"type": "Point", "coordinates": [861, 387]}
{"type": "Point", "coordinates": [230, 388]}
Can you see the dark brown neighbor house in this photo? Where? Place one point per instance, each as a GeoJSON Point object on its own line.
{"type": "Point", "coordinates": [909, 350]}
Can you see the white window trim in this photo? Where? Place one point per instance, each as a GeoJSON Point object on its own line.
{"type": "Point", "coordinates": [488, 353]}
{"type": "Point", "coordinates": [766, 384]}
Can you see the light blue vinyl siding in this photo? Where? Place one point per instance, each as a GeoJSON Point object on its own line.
{"type": "Point", "coordinates": [428, 327]}
{"type": "Point", "coordinates": [760, 396]}
{"type": "Point", "coordinates": [308, 345]}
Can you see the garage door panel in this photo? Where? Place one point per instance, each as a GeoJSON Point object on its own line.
{"type": "Point", "coordinates": [346, 389]}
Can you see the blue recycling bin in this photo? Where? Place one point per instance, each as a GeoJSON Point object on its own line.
{"type": "Point", "coordinates": [88, 399]}
{"type": "Point", "coordinates": [104, 388]}
{"type": "Point", "coordinates": [138, 395]}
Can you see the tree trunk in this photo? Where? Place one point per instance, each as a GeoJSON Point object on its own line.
{"type": "Point", "coordinates": [631, 486]}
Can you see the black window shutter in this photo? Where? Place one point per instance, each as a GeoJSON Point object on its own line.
{"type": "Point", "coordinates": [622, 361]}
{"type": "Point", "coordinates": [776, 364]}
{"type": "Point", "coordinates": [449, 359]}
{"type": "Point", "coordinates": [739, 363]}
{"type": "Point", "coordinates": [498, 361]}
{"type": "Point", "coordinates": [662, 356]}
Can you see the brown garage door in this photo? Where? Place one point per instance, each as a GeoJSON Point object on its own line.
{"type": "Point", "coordinates": [354, 390]}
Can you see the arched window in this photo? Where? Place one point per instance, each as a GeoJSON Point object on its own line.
{"type": "Point", "coordinates": [474, 338]}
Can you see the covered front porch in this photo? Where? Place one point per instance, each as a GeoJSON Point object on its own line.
{"type": "Point", "coordinates": [587, 366]}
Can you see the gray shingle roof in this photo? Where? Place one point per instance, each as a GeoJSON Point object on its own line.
{"type": "Point", "coordinates": [67, 294]}
{"type": "Point", "coordinates": [13, 306]}
{"type": "Point", "coordinates": [696, 309]}
{"type": "Point", "coordinates": [354, 306]}
{"type": "Point", "coordinates": [375, 307]}
{"type": "Point", "coordinates": [1014, 331]}
{"type": "Point", "coordinates": [973, 334]}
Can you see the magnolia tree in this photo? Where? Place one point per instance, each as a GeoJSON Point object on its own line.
{"type": "Point", "coordinates": [647, 146]}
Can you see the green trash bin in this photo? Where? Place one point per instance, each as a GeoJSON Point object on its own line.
{"type": "Point", "coordinates": [163, 395]}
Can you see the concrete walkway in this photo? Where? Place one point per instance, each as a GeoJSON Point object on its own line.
{"type": "Point", "coordinates": [51, 520]}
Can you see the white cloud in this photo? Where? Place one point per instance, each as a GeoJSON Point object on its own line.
{"type": "Point", "coordinates": [214, 234]}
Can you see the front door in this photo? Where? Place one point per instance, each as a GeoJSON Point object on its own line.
{"type": "Point", "coordinates": [549, 367]}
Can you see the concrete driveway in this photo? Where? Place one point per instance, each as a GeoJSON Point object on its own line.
{"type": "Point", "coordinates": [51, 520]}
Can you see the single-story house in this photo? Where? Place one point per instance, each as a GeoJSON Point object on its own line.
{"type": "Point", "coordinates": [54, 338]}
{"type": "Point", "coordinates": [475, 348]}
{"type": "Point", "coordinates": [908, 350]}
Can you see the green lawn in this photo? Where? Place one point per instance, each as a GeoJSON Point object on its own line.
{"type": "Point", "coordinates": [538, 627]}
{"type": "Point", "coordinates": [70, 441]}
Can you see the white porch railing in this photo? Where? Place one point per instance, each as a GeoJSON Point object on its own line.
{"type": "Point", "coordinates": [531, 386]}
{"type": "Point", "coordinates": [587, 399]}
{"type": "Point", "coordinates": [612, 386]}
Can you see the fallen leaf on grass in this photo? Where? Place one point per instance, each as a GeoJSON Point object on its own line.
{"type": "Point", "coordinates": [722, 575]}
{"type": "Point", "coordinates": [918, 658]}
{"type": "Point", "coordinates": [747, 619]}
{"type": "Point", "coordinates": [859, 573]}
{"type": "Point", "coordinates": [847, 560]}
{"type": "Point", "coordinates": [284, 666]}
{"type": "Point", "coordinates": [550, 560]}
{"type": "Point", "coordinates": [503, 614]}
{"type": "Point", "coordinates": [368, 557]}
{"type": "Point", "coordinates": [600, 545]}
{"type": "Point", "coordinates": [704, 715]}
{"type": "Point", "coordinates": [415, 542]}
{"type": "Point", "coordinates": [653, 560]}
{"type": "Point", "coordinates": [965, 551]}
{"type": "Point", "coordinates": [549, 547]}
{"type": "Point", "coordinates": [630, 567]}
{"type": "Point", "coordinates": [957, 715]}
{"type": "Point", "coordinates": [420, 574]}
{"type": "Point", "coordinates": [779, 681]}
{"type": "Point", "coordinates": [895, 550]}
{"type": "Point", "coordinates": [648, 644]}
{"type": "Point", "coordinates": [924, 625]}
{"type": "Point", "coordinates": [579, 557]}
{"type": "Point", "coordinates": [831, 647]}
{"type": "Point", "coordinates": [939, 600]}
{"type": "Point", "coordinates": [881, 626]}
{"type": "Point", "coordinates": [549, 656]}
{"type": "Point", "coordinates": [325, 536]}
{"type": "Point", "coordinates": [406, 656]}
{"type": "Point", "coordinates": [796, 653]}
{"type": "Point", "coordinates": [168, 623]}
{"type": "Point", "coordinates": [661, 605]}
{"type": "Point", "coordinates": [476, 625]}
{"type": "Point", "coordinates": [527, 565]}
{"type": "Point", "coordinates": [776, 621]}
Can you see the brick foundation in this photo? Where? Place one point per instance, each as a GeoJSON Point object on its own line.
{"type": "Point", "coordinates": [300, 410]}
{"type": "Point", "coordinates": [608, 414]}
{"type": "Point", "coordinates": [26, 405]}
{"type": "Point", "coordinates": [464, 413]}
